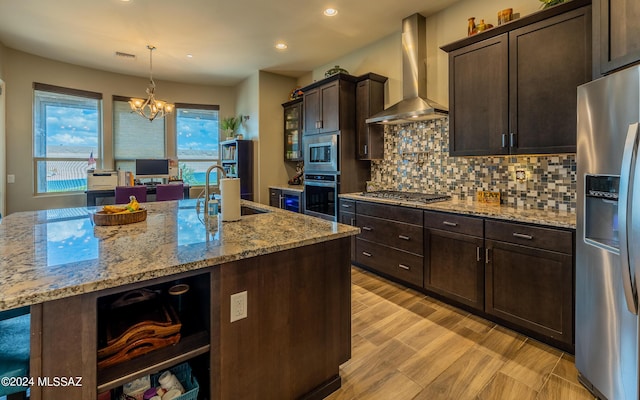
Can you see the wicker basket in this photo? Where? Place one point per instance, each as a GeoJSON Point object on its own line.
{"type": "Point", "coordinates": [103, 218]}
{"type": "Point", "coordinates": [186, 378]}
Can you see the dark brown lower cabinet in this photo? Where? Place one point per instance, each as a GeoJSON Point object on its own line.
{"type": "Point", "coordinates": [347, 216]}
{"type": "Point", "coordinates": [391, 241]}
{"type": "Point", "coordinates": [454, 267]}
{"type": "Point", "coordinates": [531, 287]}
{"type": "Point", "coordinates": [390, 261]}
{"type": "Point", "coordinates": [454, 259]}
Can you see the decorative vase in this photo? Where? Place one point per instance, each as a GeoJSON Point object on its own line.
{"type": "Point", "coordinates": [551, 3]}
{"type": "Point", "coordinates": [335, 70]}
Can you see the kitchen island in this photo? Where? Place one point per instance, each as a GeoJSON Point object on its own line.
{"type": "Point", "coordinates": [294, 268]}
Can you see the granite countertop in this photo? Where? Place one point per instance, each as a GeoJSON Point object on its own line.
{"type": "Point", "coordinates": [52, 254]}
{"type": "Point", "coordinates": [558, 219]}
{"type": "Point", "coordinates": [295, 188]}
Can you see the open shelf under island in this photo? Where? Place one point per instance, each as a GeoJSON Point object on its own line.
{"type": "Point", "coordinates": [294, 268]}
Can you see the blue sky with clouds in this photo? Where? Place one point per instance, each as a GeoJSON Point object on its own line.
{"type": "Point", "coordinates": [68, 126]}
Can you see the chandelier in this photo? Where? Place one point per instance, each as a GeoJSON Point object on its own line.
{"type": "Point", "coordinates": [150, 108]}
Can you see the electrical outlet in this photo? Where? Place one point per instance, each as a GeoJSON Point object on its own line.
{"type": "Point", "coordinates": [11, 178]}
{"type": "Point", "coordinates": [238, 306]}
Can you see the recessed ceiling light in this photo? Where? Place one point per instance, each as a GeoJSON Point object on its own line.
{"type": "Point", "coordinates": [189, 55]}
{"type": "Point", "coordinates": [281, 46]}
{"type": "Point", "coordinates": [330, 12]}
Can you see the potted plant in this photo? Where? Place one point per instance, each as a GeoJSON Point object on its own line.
{"type": "Point", "coordinates": [230, 125]}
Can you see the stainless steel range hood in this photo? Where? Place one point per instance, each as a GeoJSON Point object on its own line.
{"type": "Point", "coordinates": [415, 105]}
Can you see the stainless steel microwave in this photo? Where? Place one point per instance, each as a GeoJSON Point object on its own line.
{"type": "Point", "coordinates": [321, 152]}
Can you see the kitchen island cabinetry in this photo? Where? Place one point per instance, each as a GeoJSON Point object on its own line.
{"type": "Point", "coordinates": [531, 86]}
{"type": "Point", "coordinates": [529, 279]}
{"type": "Point", "coordinates": [292, 263]}
{"type": "Point", "coordinates": [329, 105]}
{"type": "Point", "coordinates": [616, 35]}
{"type": "Point", "coordinates": [454, 257]}
{"type": "Point", "coordinates": [391, 241]}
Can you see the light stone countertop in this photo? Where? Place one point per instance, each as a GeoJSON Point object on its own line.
{"type": "Point", "coordinates": [294, 188]}
{"type": "Point", "coordinates": [52, 254]}
{"type": "Point", "coordinates": [558, 219]}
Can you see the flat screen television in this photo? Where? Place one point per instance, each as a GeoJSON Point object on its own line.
{"type": "Point", "coordinates": [152, 168]}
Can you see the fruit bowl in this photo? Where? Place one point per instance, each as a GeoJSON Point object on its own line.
{"type": "Point", "coordinates": [102, 218]}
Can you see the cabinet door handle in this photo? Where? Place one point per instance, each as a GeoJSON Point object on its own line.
{"type": "Point", "coordinates": [447, 223]}
{"type": "Point", "coordinates": [365, 149]}
{"type": "Point", "coordinates": [487, 260]}
{"type": "Point", "coordinates": [280, 201]}
{"type": "Point", "coordinates": [404, 267]}
{"type": "Point", "coordinates": [346, 206]}
{"type": "Point", "coordinates": [353, 222]}
{"type": "Point", "coordinates": [522, 236]}
{"type": "Point", "coordinates": [513, 140]}
{"type": "Point", "coordinates": [364, 253]}
{"type": "Point", "coordinates": [367, 228]}
{"type": "Point", "coordinates": [478, 250]}
{"type": "Point", "coordinates": [504, 140]}
{"type": "Point", "coordinates": [403, 237]}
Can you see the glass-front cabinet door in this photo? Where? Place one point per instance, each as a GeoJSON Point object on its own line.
{"type": "Point", "coordinates": [293, 130]}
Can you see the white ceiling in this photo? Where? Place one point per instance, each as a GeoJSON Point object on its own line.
{"type": "Point", "coordinates": [229, 40]}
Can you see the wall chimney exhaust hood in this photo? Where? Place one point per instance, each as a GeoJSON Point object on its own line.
{"type": "Point", "coordinates": [415, 105]}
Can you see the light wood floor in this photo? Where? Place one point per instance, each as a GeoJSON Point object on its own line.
{"type": "Point", "coordinates": [406, 345]}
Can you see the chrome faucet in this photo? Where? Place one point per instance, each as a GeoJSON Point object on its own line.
{"type": "Point", "coordinates": [206, 186]}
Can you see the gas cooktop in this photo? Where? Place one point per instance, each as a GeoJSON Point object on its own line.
{"type": "Point", "coordinates": [407, 196]}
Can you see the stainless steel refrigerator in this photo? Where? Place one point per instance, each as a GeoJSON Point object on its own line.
{"type": "Point", "coordinates": [608, 235]}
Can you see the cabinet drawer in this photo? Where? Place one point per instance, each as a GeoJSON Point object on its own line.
{"type": "Point", "coordinates": [390, 233]}
{"type": "Point", "coordinates": [396, 263]}
{"type": "Point", "coordinates": [532, 236]}
{"type": "Point", "coordinates": [347, 206]}
{"type": "Point", "coordinates": [396, 213]}
{"type": "Point", "coordinates": [454, 223]}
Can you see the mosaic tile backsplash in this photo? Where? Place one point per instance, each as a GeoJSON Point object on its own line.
{"type": "Point", "coordinates": [416, 158]}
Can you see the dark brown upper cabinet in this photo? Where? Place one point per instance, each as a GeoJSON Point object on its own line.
{"type": "Point", "coordinates": [512, 89]}
{"type": "Point", "coordinates": [293, 130]}
{"type": "Point", "coordinates": [369, 100]}
{"type": "Point", "coordinates": [616, 35]}
{"type": "Point", "coordinates": [329, 104]}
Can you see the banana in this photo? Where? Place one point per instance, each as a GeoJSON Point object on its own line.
{"type": "Point", "coordinates": [133, 204]}
{"type": "Point", "coordinates": [131, 207]}
{"type": "Point", "coordinates": [113, 209]}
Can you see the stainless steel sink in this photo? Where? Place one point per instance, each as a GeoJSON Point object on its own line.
{"type": "Point", "coordinates": [246, 210]}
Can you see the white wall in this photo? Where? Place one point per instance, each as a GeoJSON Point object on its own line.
{"type": "Point", "coordinates": [22, 69]}
{"type": "Point", "coordinates": [247, 104]}
{"type": "Point", "coordinates": [260, 96]}
{"type": "Point", "coordinates": [384, 57]}
{"type": "Point", "coordinates": [273, 170]}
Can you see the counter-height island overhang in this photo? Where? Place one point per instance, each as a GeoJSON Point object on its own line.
{"type": "Point", "coordinates": [295, 270]}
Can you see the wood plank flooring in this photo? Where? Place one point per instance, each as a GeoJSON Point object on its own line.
{"type": "Point", "coordinates": [408, 346]}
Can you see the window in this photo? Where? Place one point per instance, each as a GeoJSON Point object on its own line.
{"type": "Point", "coordinates": [134, 136]}
{"type": "Point", "coordinates": [66, 137]}
{"type": "Point", "coordinates": [197, 141]}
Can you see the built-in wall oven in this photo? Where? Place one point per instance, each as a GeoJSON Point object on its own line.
{"type": "Point", "coordinates": [321, 152]}
{"type": "Point", "coordinates": [321, 195]}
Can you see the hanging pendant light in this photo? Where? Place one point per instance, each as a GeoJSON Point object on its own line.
{"type": "Point", "coordinates": [151, 108]}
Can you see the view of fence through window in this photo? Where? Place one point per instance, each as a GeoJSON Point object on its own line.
{"type": "Point", "coordinates": [66, 136]}
{"type": "Point", "coordinates": [197, 142]}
